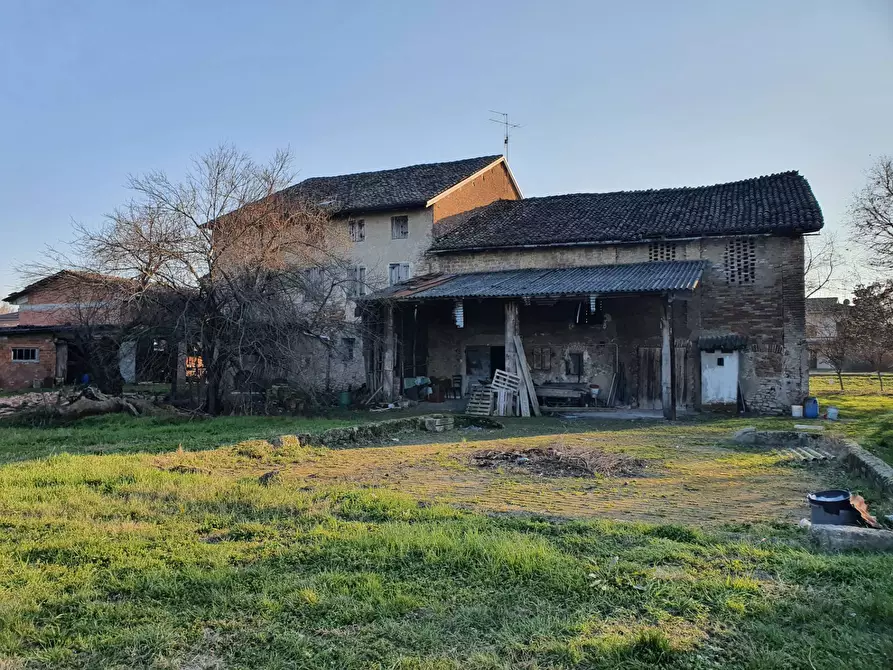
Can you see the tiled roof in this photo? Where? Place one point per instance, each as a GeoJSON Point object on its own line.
{"type": "Point", "coordinates": [657, 277]}
{"type": "Point", "coordinates": [73, 275]}
{"type": "Point", "coordinates": [778, 204]}
{"type": "Point", "coordinates": [400, 188]}
{"type": "Point", "coordinates": [9, 319]}
{"type": "Point", "coordinates": [730, 342]}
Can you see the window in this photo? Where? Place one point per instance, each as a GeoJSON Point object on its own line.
{"type": "Point", "coordinates": [357, 229]}
{"type": "Point", "coordinates": [542, 358]}
{"type": "Point", "coordinates": [740, 261]}
{"type": "Point", "coordinates": [357, 284]}
{"type": "Point", "coordinates": [399, 227]}
{"type": "Point", "coordinates": [347, 347]}
{"type": "Point", "coordinates": [573, 365]}
{"type": "Point", "coordinates": [25, 354]}
{"type": "Point", "coordinates": [662, 251]}
{"type": "Point", "coordinates": [398, 272]}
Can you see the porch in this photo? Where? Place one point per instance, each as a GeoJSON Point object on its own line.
{"type": "Point", "coordinates": [595, 336]}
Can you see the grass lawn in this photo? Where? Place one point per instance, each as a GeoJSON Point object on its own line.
{"type": "Point", "coordinates": [122, 433]}
{"type": "Point", "coordinates": [853, 383]}
{"type": "Point", "coordinates": [866, 418]}
{"type": "Point", "coordinates": [408, 556]}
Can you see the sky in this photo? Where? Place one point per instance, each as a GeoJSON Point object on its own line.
{"type": "Point", "coordinates": [610, 95]}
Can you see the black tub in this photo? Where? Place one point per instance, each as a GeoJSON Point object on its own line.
{"type": "Point", "coordinates": [832, 507]}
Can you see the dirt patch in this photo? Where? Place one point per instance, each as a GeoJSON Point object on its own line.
{"type": "Point", "coordinates": [552, 462]}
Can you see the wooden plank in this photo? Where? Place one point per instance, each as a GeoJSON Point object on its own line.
{"type": "Point", "coordinates": [609, 401]}
{"type": "Point", "coordinates": [387, 363]}
{"type": "Point", "coordinates": [511, 330]}
{"type": "Point", "coordinates": [553, 392]}
{"type": "Point", "coordinates": [524, 403]}
{"type": "Point", "coordinates": [525, 374]}
{"type": "Point", "coordinates": [649, 391]}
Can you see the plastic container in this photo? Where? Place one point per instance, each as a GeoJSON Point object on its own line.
{"type": "Point", "coordinates": [797, 411]}
{"type": "Point", "coordinates": [831, 507]}
{"type": "Point", "coordinates": [811, 408]}
{"type": "Point", "coordinates": [832, 414]}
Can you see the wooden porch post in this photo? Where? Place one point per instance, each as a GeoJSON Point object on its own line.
{"type": "Point", "coordinates": [511, 330]}
{"type": "Point", "coordinates": [668, 362]}
{"type": "Point", "coordinates": [387, 359]}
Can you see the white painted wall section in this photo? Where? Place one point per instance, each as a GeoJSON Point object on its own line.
{"type": "Point", "coordinates": [719, 377]}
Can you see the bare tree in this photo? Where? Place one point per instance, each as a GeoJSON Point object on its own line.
{"type": "Point", "coordinates": [871, 319]}
{"type": "Point", "coordinates": [6, 308]}
{"type": "Point", "coordinates": [244, 272]}
{"type": "Point", "coordinates": [872, 214]}
{"type": "Point", "coordinates": [823, 262]}
{"type": "Point", "coordinates": [833, 336]}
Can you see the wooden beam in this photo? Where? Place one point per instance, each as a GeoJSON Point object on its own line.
{"type": "Point", "coordinates": [668, 362]}
{"type": "Point", "coordinates": [387, 358]}
{"type": "Point", "coordinates": [524, 369]}
{"type": "Point", "coordinates": [511, 330]}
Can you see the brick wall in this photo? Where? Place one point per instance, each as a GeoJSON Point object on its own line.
{"type": "Point", "coordinates": [66, 302]}
{"type": "Point", "coordinates": [22, 375]}
{"type": "Point", "coordinates": [494, 184]}
{"type": "Point", "coordinates": [769, 310]}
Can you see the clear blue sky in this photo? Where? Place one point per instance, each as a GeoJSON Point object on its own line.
{"type": "Point", "coordinates": [620, 95]}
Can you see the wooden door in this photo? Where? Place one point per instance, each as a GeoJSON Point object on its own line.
{"type": "Point", "coordinates": [649, 378]}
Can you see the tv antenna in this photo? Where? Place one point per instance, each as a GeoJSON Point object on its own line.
{"type": "Point", "coordinates": [504, 122]}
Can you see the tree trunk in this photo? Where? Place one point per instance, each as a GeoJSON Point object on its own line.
{"type": "Point", "coordinates": [880, 378]}
{"type": "Point", "coordinates": [840, 379]}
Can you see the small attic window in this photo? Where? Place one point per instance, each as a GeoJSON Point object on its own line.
{"type": "Point", "coordinates": [662, 251]}
{"type": "Point", "coordinates": [740, 261]}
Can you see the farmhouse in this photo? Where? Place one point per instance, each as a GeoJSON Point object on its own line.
{"type": "Point", "coordinates": [682, 298]}
{"type": "Point", "coordinates": [63, 320]}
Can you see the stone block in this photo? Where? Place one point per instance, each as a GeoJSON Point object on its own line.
{"type": "Point", "coordinates": [842, 538]}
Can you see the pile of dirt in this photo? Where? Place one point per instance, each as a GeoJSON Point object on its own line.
{"type": "Point", "coordinates": [551, 462]}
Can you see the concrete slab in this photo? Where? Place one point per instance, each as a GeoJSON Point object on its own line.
{"type": "Point", "coordinates": [842, 538]}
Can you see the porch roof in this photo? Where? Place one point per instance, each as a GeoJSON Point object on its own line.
{"type": "Point", "coordinates": [651, 277]}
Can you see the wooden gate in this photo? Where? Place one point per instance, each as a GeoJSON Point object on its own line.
{"type": "Point", "coordinates": [649, 395]}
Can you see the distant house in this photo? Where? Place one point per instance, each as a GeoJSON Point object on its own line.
{"type": "Point", "coordinates": [688, 297]}
{"type": "Point", "coordinates": [822, 315]}
{"type": "Point", "coordinates": [40, 343]}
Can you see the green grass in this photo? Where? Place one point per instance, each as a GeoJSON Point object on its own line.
{"type": "Point", "coordinates": [114, 560]}
{"type": "Point", "coordinates": [107, 561]}
{"type": "Point", "coordinates": [853, 383]}
{"type": "Point", "coordinates": [122, 433]}
{"type": "Point", "coordinates": [866, 418]}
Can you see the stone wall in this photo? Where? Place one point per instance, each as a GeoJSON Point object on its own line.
{"type": "Point", "coordinates": [608, 344]}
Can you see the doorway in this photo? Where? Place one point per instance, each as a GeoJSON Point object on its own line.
{"type": "Point", "coordinates": [497, 359]}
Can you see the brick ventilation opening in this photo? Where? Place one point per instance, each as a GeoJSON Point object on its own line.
{"type": "Point", "coordinates": [739, 261]}
{"type": "Point", "coordinates": [662, 251]}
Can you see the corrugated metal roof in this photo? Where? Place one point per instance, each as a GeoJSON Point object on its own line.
{"type": "Point", "coordinates": [652, 277]}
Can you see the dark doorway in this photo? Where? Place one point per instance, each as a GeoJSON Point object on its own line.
{"type": "Point", "coordinates": [497, 359]}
